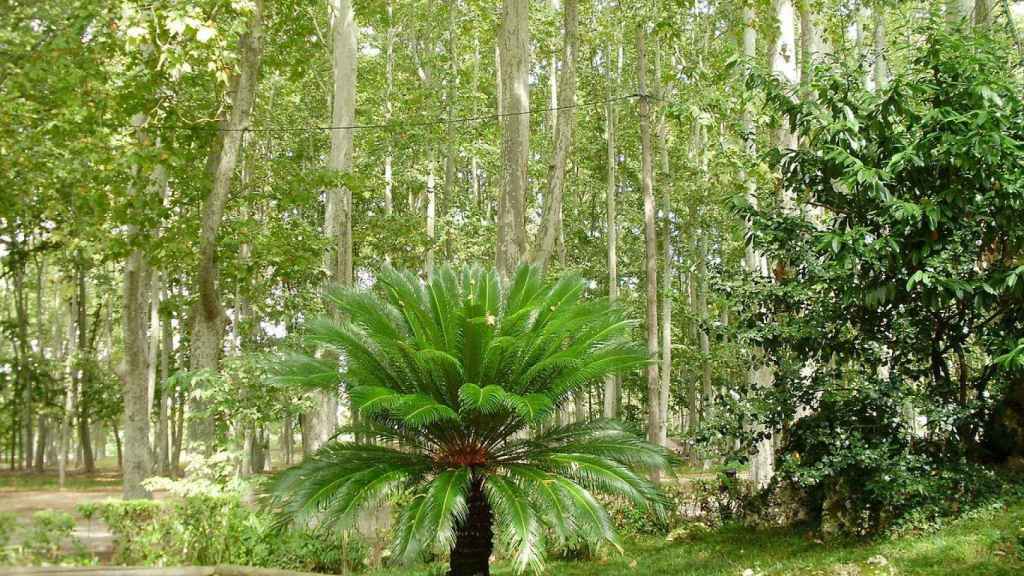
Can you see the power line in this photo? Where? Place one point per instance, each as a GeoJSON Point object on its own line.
{"type": "Point", "coordinates": [396, 126]}
{"type": "Point", "coordinates": [393, 126]}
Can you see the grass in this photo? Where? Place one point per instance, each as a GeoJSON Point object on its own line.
{"type": "Point", "coordinates": [15, 481]}
{"type": "Point", "coordinates": [979, 545]}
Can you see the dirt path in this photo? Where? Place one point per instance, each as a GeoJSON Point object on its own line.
{"type": "Point", "coordinates": [25, 494]}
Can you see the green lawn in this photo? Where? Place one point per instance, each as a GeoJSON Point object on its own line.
{"type": "Point", "coordinates": [975, 546]}
{"type": "Point", "coordinates": [18, 481]}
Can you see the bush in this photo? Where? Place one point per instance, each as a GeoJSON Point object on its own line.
{"type": "Point", "coordinates": [209, 530]}
{"type": "Point", "coordinates": [7, 526]}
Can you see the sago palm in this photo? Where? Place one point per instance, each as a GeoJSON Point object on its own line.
{"type": "Point", "coordinates": [455, 382]}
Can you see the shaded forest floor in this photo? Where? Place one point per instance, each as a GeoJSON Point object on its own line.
{"type": "Point", "coordinates": [989, 542]}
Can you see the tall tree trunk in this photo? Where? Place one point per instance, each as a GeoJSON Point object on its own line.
{"type": "Point", "coordinates": [389, 82]}
{"type": "Point", "coordinates": [612, 384]}
{"type": "Point", "coordinates": [666, 275]}
{"type": "Point", "coordinates": [551, 223]}
{"type": "Point", "coordinates": [762, 464]}
{"type": "Point", "coordinates": [136, 417]}
{"type": "Point", "coordinates": [514, 68]}
{"type": "Point", "coordinates": [321, 422]}
{"type": "Point", "coordinates": [23, 379]}
{"type": "Point", "coordinates": [431, 212]}
{"type": "Point", "coordinates": [208, 314]}
{"type": "Point", "coordinates": [69, 406]}
{"type": "Point", "coordinates": [692, 392]}
{"type": "Point", "coordinates": [450, 137]}
{"type": "Point", "coordinates": [84, 368]}
{"type": "Point", "coordinates": [707, 391]}
{"type": "Point", "coordinates": [166, 399]}
{"type": "Point", "coordinates": [650, 241]}
{"type": "Point", "coordinates": [154, 342]}
{"type": "Point", "coordinates": [881, 68]}
{"type": "Point", "coordinates": [42, 438]}
{"type": "Point", "coordinates": [809, 43]}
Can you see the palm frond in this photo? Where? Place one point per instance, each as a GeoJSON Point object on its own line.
{"type": "Point", "coordinates": [518, 525]}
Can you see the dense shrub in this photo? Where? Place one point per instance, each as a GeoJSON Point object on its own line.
{"type": "Point", "coordinates": [47, 540]}
{"type": "Point", "coordinates": [209, 530]}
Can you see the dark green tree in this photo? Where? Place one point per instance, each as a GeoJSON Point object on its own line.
{"type": "Point", "coordinates": [895, 271]}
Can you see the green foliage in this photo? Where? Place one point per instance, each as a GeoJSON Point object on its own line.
{"type": "Point", "coordinates": [8, 523]}
{"type": "Point", "coordinates": [49, 540]}
{"type": "Point", "coordinates": [894, 305]}
{"type": "Point", "coordinates": [454, 370]}
{"type": "Point", "coordinates": [209, 530]}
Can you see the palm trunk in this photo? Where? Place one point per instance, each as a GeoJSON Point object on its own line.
{"type": "Point", "coordinates": [474, 537]}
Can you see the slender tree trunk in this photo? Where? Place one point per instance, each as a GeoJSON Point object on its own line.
{"type": "Point", "coordinates": [692, 392]}
{"type": "Point", "coordinates": [707, 391]}
{"type": "Point", "coordinates": [551, 223]}
{"type": "Point", "coordinates": [23, 379]}
{"type": "Point", "coordinates": [474, 536]}
{"type": "Point", "coordinates": [450, 137]}
{"type": "Point", "coordinates": [84, 369]}
{"type": "Point", "coordinates": [650, 242]}
{"type": "Point", "coordinates": [612, 384]}
{"type": "Point", "coordinates": [154, 342]}
{"type": "Point", "coordinates": [321, 422]}
{"type": "Point", "coordinates": [514, 68]}
{"type": "Point", "coordinates": [166, 399]}
{"type": "Point", "coordinates": [69, 405]}
{"type": "Point", "coordinates": [431, 209]}
{"type": "Point", "coordinates": [881, 69]}
{"type": "Point", "coordinates": [389, 81]}
{"type": "Point", "coordinates": [666, 275]}
{"type": "Point", "coordinates": [42, 437]}
{"type": "Point", "coordinates": [208, 314]}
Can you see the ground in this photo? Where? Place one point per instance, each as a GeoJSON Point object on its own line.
{"type": "Point", "coordinates": [989, 542]}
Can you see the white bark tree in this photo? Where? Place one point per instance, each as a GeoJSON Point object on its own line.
{"type": "Point", "coordinates": [551, 223]}
{"type": "Point", "coordinates": [514, 106]}
{"type": "Point", "coordinates": [612, 385]}
{"type": "Point", "coordinates": [321, 422]}
{"type": "Point", "coordinates": [650, 241]}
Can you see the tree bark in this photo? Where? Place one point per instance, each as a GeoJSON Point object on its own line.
{"type": "Point", "coordinates": [612, 384]}
{"type": "Point", "coordinates": [208, 314]}
{"type": "Point", "coordinates": [64, 432]}
{"type": "Point", "coordinates": [650, 242]}
{"type": "Point", "coordinates": [321, 422]}
{"type": "Point", "coordinates": [389, 82]}
{"type": "Point", "coordinates": [514, 68]}
{"type": "Point", "coordinates": [24, 382]}
{"type": "Point", "coordinates": [83, 368]}
{"type": "Point", "coordinates": [136, 417]}
{"type": "Point", "coordinates": [666, 275]}
{"type": "Point", "coordinates": [166, 399]}
{"type": "Point", "coordinates": [474, 536]}
{"type": "Point", "coordinates": [551, 222]}
{"type": "Point", "coordinates": [881, 68]}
